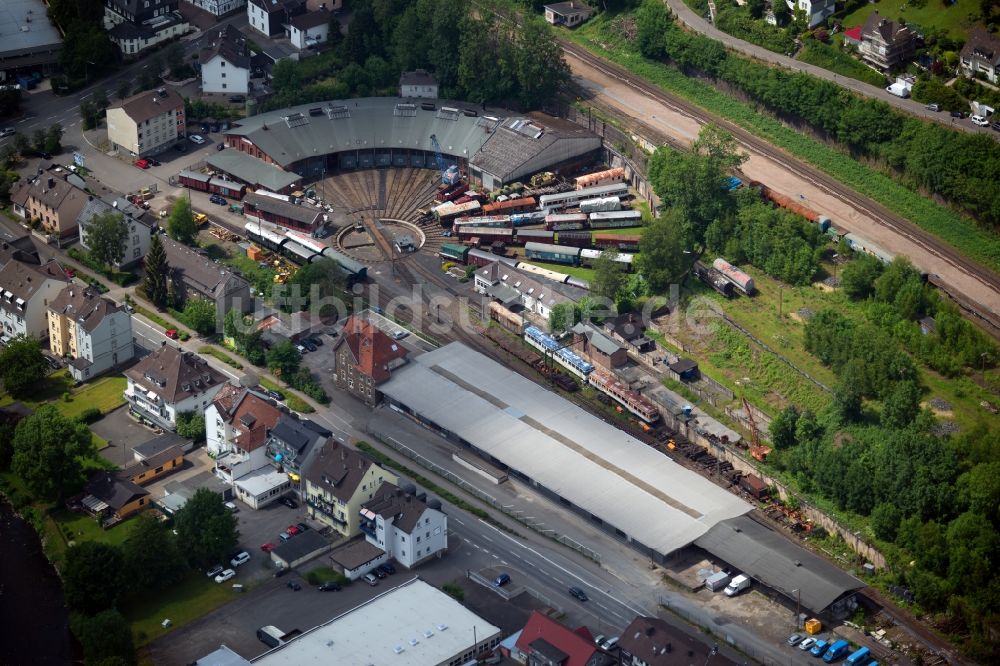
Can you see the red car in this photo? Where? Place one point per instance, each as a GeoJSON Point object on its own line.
{"type": "Point", "coordinates": [142, 164]}
{"type": "Point", "coordinates": [292, 530]}
{"type": "Point", "coordinates": [267, 547]}
{"type": "Point", "coordinates": [171, 333]}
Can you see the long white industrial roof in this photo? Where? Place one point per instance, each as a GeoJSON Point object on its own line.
{"type": "Point", "coordinates": [594, 465]}
{"type": "Point", "coordinates": [414, 624]}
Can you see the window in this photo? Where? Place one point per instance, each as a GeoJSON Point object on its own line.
{"type": "Point", "coordinates": [418, 539]}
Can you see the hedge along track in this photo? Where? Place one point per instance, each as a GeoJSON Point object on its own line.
{"type": "Point", "coordinates": [977, 312]}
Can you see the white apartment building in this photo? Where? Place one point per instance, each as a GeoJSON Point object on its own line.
{"type": "Point", "coordinates": [225, 65]}
{"type": "Point", "coordinates": [25, 293]}
{"type": "Point", "coordinates": [815, 11]}
{"type": "Point", "coordinates": [147, 123]}
{"type": "Point", "coordinates": [94, 332]}
{"type": "Point", "coordinates": [140, 227]}
{"type": "Point", "coordinates": [169, 382]}
{"type": "Point", "coordinates": [405, 527]}
{"type": "Point", "coordinates": [218, 7]}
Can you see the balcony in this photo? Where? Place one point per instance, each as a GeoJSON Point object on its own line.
{"type": "Point", "coordinates": [368, 529]}
{"type": "Point", "coordinates": [328, 510]}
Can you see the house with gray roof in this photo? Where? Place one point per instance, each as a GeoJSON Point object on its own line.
{"type": "Point", "coordinates": [95, 333]}
{"type": "Point", "coordinates": [219, 7]}
{"type": "Point", "coordinates": [147, 123]}
{"type": "Point", "coordinates": [200, 277]}
{"type": "Point", "coordinates": [26, 289]}
{"type": "Point", "coordinates": [981, 54]}
{"type": "Point", "coordinates": [409, 529]}
{"type": "Point", "coordinates": [598, 347]}
{"type": "Point", "coordinates": [140, 226]}
{"type": "Point", "coordinates": [225, 64]}
{"type": "Point", "coordinates": [418, 83]}
{"type": "Point", "coordinates": [885, 43]}
{"type": "Point", "coordinates": [169, 382]}
{"type": "Point", "coordinates": [53, 201]}
{"type": "Point", "coordinates": [522, 291]}
{"type": "Point", "coordinates": [137, 25]}
{"type": "Point", "coordinates": [338, 480]}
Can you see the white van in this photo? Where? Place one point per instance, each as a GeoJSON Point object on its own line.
{"type": "Point", "coordinates": [737, 585]}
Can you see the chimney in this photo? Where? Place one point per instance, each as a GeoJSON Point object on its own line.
{"type": "Point", "coordinates": [52, 183]}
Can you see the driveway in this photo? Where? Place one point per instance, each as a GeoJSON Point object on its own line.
{"type": "Point", "coordinates": [122, 433]}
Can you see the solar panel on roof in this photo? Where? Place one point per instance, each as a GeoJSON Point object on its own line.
{"type": "Point", "coordinates": [405, 110]}
{"type": "Point", "coordinates": [335, 112]}
{"type": "Point", "coordinates": [448, 113]}
{"type": "Point", "coordinates": [296, 120]}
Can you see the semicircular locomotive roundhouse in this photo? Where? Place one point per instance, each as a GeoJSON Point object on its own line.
{"type": "Point", "coordinates": [313, 140]}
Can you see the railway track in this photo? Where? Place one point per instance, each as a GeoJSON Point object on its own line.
{"type": "Point", "coordinates": [979, 312]}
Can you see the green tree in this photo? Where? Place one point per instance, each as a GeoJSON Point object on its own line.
{"type": "Point", "coordinates": [652, 22]}
{"type": "Point", "coordinates": [92, 577]}
{"type": "Point", "coordinates": [38, 140]}
{"type": "Point", "coordinates": [695, 182]}
{"type": "Point", "coordinates": [182, 227]}
{"type": "Point", "coordinates": [283, 359]}
{"type": "Point", "coordinates": [848, 394]}
{"type": "Point", "coordinates": [978, 489]}
{"type": "Point", "coordinates": [539, 63]}
{"type": "Point", "coordinates": [174, 57]}
{"type": "Point", "coordinates": [123, 89]}
{"type": "Point", "coordinates": [53, 139]}
{"type": "Point", "coordinates": [316, 287]}
{"type": "Point", "coordinates": [901, 406]}
{"type": "Point", "coordinates": [191, 425]}
{"type": "Point", "coordinates": [22, 365]}
{"type": "Point", "coordinates": [973, 550]}
{"type": "Point", "coordinates": [663, 258]}
{"type": "Point", "coordinates": [206, 529]}
{"type": "Point", "coordinates": [106, 638]}
{"type": "Point", "coordinates": [89, 115]}
{"type": "Point", "coordinates": [156, 269]}
{"type": "Point", "coordinates": [857, 278]}
{"type": "Point", "coordinates": [286, 76]}
{"type": "Point", "coordinates": [561, 317]}
{"type": "Point", "coordinates": [783, 428]}
{"type": "Point", "coordinates": [106, 235]}
{"type": "Point", "coordinates": [782, 13]}
{"type": "Point", "coordinates": [885, 520]}
{"type": "Point", "coordinates": [483, 48]}
{"type": "Point", "coordinates": [199, 314]}
{"type": "Point", "coordinates": [21, 144]}
{"type": "Point", "coordinates": [48, 452]}
{"type": "Point", "coordinates": [609, 275]}
{"type": "Point", "coordinates": [151, 558]}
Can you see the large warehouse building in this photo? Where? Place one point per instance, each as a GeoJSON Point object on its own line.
{"type": "Point", "coordinates": [313, 140]}
{"type": "Point", "coordinates": [414, 624]}
{"type": "Point", "coordinates": [631, 490]}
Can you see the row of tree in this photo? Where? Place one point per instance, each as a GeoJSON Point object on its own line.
{"type": "Point", "coordinates": [958, 166]}
{"type": "Point", "coordinates": [476, 55]}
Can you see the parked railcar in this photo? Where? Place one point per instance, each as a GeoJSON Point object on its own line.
{"type": "Point", "coordinates": [606, 177]}
{"type": "Point", "coordinates": [528, 218]}
{"type": "Point", "coordinates": [553, 202]}
{"type": "Point", "coordinates": [485, 234]}
{"type": "Point", "coordinates": [862, 244]}
{"type": "Point", "coordinates": [454, 252]}
{"type": "Point", "coordinates": [478, 257]}
{"type": "Point", "coordinates": [227, 188]}
{"type": "Point", "coordinates": [483, 221]}
{"type": "Point", "coordinates": [588, 256]}
{"type": "Point", "coordinates": [194, 180]}
{"type": "Point", "coordinates": [565, 221]}
{"type": "Point", "coordinates": [575, 238]}
{"type": "Point", "coordinates": [615, 219]}
{"type": "Point", "coordinates": [602, 204]}
{"type": "Point", "coordinates": [535, 235]}
{"type": "Point", "coordinates": [740, 280]}
{"type": "Point", "coordinates": [627, 243]}
{"type": "Point", "coordinates": [447, 212]}
{"type": "Point", "coordinates": [521, 205]}
{"type": "Point", "coordinates": [552, 253]}
{"type": "Point", "coordinates": [554, 276]}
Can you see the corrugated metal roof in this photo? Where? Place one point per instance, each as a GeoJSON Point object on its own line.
{"type": "Point", "coordinates": [251, 170]}
{"type": "Point", "coordinates": [766, 556]}
{"type": "Point", "coordinates": [567, 450]}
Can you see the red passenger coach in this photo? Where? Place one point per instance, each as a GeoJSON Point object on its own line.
{"type": "Point", "coordinates": [521, 205]}
{"type": "Point", "coordinates": [626, 243]}
{"type": "Point", "coordinates": [227, 188]}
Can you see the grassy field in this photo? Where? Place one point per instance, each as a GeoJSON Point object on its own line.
{"type": "Point", "coordinates": [188, 600]}
{"type": "Point", "coordinates": [105, 394]}
{"type": "Point", "coordinates": [153, 317]}
{"type": "Point", "coordinates": [575, 271]}
{"type": "Point", "coordinates": [833, 59]}
{"type": "Point", "coordinates": [954, 19]}
{"type": "Point", "coordinates": [222, 356]}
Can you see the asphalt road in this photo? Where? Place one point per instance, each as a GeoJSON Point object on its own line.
{"type": "Point", "coordinates": [699, 24]}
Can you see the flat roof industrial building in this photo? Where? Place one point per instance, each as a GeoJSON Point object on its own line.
{"type": "Point", "coordinates": [27, 37]}
{"type": "Point", "coordinates": [633, 490]}
{"type": "Point", "coordinates": [414, 624]}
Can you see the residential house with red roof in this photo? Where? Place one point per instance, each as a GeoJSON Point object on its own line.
{"type": "Point", "coordinates": [238, 424]}
{"type": "Point", "coordinates": [364, 357]}
{"type": "Point", "coordinates": [545, 642]}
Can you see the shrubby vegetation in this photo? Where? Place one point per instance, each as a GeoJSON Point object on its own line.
{"type": "Point", "coordinates": [957, 166]}
{"type": "Point", "coordinates": [474, 55]}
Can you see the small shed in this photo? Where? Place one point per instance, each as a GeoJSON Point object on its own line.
{"type": "Point", "coordinates": [300, 548]}
{"type": "Point", "coordinates": [358, 558]}
{"type": "Point", "coordinates": [927, 325]}
{"type": "Point", "coordinates": [684, 370]}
